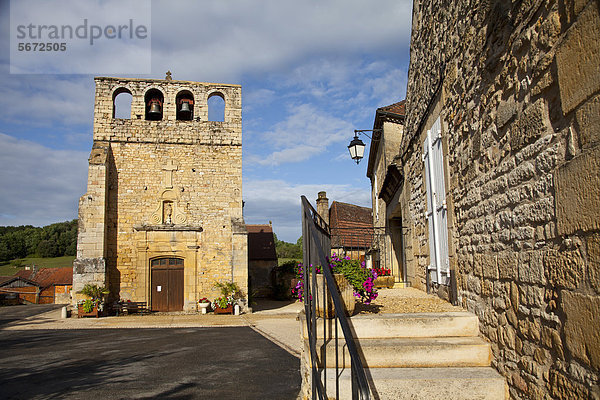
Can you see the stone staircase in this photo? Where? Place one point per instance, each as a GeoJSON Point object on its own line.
{"type": "Point", "coordinates": [413, 356]}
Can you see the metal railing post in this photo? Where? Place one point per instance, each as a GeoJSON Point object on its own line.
{"type": "Point", "coordinates": [317, 249]}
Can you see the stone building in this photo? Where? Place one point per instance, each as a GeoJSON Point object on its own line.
{"type": "Point", "coordinates": [161, 221]}
{"type": "Point", "coordinates": [351, 228]}
{"type": "Point", "coordinates": [262, 259]}
{"type": "Point", "coordinates": [500, 193]}
{"type": "Point", "coordinates": [385, 174]}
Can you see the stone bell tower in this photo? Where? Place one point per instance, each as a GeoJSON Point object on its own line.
{"type": "Point", "coordinates": [161, 220]}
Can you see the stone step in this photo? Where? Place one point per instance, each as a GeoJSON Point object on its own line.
{"type": "Point", "coordinates": [417, 325]}
{"type": "Point", "coordinates": [469, 383]}
{"type": "Point", "coordinates": [411, 352]}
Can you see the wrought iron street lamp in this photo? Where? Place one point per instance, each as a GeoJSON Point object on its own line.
{"type": "Point", "coordinates": [356, 146]}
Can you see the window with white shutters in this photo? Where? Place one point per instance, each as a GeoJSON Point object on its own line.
{"type": "Point", "coordinates": [436, 204]}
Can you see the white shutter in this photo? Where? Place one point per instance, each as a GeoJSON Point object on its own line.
{"type": "Point", "coordinates": [436, 204]}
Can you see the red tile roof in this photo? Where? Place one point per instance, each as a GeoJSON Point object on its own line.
{"type": "Point", "coordinates": [261, 242]}
{"type": "Point", "coordinates": [351, 225]}
{"type": "Point", "coordinates": [48, 276]}
{"type": "Point", "coordinates": [396, 108]}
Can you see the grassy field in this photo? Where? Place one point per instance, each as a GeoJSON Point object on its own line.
{"type": "Point", "coordinates": [8, 268]}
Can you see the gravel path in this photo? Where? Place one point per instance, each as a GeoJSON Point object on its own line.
{"type": "Point", "coordinates": [406, 300]}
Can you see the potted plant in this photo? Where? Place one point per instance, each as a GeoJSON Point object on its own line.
{"type": "Point", "coordinates": [230, 294]}
{"type": "Point", "coordinates": [353, 280]}
{"type": "Point", "coordinates": [223, 305]}
{"type": "Point", "coordinates": [384, 278]}
{"type": "Point", "coordinates": [94, 306]}
{"type": "Point", "coordinates": [203, 303]}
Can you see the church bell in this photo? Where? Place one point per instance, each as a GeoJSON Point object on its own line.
{"type": "Point", "coordinates": [185, 108]}
{"type": "Point", "coordinates": [155, 109]}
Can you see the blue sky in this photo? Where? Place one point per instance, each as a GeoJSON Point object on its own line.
{"type": "Point", "coordinates": [311, 72]}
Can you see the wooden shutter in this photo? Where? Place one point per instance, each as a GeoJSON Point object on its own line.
{"type": "Point", "coordinates": [436, 204]}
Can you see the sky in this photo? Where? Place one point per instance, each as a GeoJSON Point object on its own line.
{"type": "Point", "coordinates": [311, 72]}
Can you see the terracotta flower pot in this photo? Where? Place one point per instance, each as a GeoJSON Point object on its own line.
{"type": "Point", "coordinates": [93, 313]}
{"type": "Point", "coordinates": [226, 310]}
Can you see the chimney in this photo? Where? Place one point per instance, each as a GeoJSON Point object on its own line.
{"type": "Point", "coordinates": [323, 206]}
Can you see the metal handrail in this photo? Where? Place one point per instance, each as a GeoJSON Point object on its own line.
{"type": "Point", "coordinates": [314, 227]}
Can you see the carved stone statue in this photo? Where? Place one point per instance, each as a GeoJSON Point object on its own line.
{"type": "Point", "coordinates": [168, 212]}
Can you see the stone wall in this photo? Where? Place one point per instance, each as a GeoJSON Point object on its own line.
{"type": "Point", "coordinates": [167, 188]}
{"type": "Point", "coordinates": [517, 88]}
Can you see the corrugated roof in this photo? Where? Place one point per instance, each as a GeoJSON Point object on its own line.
{"type": "Point", "coordinates": [11, 279]}
{"type": "Point", "coordinates": [261, 242]}
{"type": "Point", "coordinates": [48, 276]}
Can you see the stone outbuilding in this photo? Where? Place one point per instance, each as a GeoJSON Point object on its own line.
{"type": "Point", "coordinates": [500, 171]}
{"type": "Point", "coordinates": [161, 221]}
{"type": "Point", "coordinates": [262, 258]}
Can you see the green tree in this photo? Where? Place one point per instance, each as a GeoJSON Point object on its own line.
{"type": "Point", "coordinates": [288, 250]}
{"type": "Point", "coordinates": [50, 241]}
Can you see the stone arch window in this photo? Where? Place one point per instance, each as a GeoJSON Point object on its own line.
{"type": "Point", "coordinates": [216, 107]}
{"type": "Point", "coordinates": [122, 99]}
{"type": "Point", "coordinates": [154, 100]}
{"type": "Point", "coordinates": [185, 105]}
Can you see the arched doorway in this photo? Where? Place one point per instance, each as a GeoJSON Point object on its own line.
{"type": "Point", "coordinates": [167, 284]}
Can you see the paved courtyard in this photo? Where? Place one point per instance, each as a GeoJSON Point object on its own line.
{"type": "Point", "coordinates": [45, 357]}
{"type": "Point", "coordinates": [176, 363]}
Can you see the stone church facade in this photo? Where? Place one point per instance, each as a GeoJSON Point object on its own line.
{"type": "Point", "coordinates": [161, 220]}
{"type": "Point", "coordinates": [500, 181]}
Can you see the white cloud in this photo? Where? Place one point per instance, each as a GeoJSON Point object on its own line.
{"type": "Point", "coordinates": [50, 99]}
{"type": "Point", "coordinates": [226, 39]}
{"type": "Point", "coordinates": [39, 185]}
{"type": "Point", "coordinates": [279, 201]}
{"type": "Point", "coordinates": [100, 36]}
{"type": "Point", "coordinates": [306, 132]}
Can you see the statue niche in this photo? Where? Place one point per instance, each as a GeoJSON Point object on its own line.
{"type": "Point", "coordinates": [167, 211]}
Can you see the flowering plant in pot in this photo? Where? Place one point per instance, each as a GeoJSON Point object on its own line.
{"type": "Point", "coordinates": [230, 294]}
{"type": "Point", "coordinates": [357, 275]}
{"type": "Point", "coordinates": [204, 303]}
{"type": "Point", "coordinates": [93, 306]}
{"type": "Point", "coordinates": [384, 278]}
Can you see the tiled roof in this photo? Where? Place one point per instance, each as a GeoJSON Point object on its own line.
{"type": "Point", "coordinates": [48, 276]}
{"type": "Point", "coordinates": [261, 242]}
{"type": "Point", "coordinates": [351, 225]}
{"type": "Point", "coordinates": [396, 108]}
{"type": "Point", "coordinates": [5, 279]}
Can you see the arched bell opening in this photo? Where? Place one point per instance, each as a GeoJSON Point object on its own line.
{"type": "Point", "coordinates": [185, 105]}
{"type": "Point", "coordinates": [154, 100]}
{"type": "Point", "coordinates": [216, 107]}
{"type": "Point", "coordinates": [122, 99]}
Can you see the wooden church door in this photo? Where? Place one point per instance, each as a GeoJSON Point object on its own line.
{"type": "Point", "coordinates": [167, 284]}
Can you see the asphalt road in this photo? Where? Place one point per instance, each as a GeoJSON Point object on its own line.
{"type": "Point", "coordinates": [178, 363]}
{"type": "Point", "coordinates": [14, 313]}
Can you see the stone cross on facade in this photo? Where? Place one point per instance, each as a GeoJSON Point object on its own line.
{"type": "Point", "coordinates": [168, 174]}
